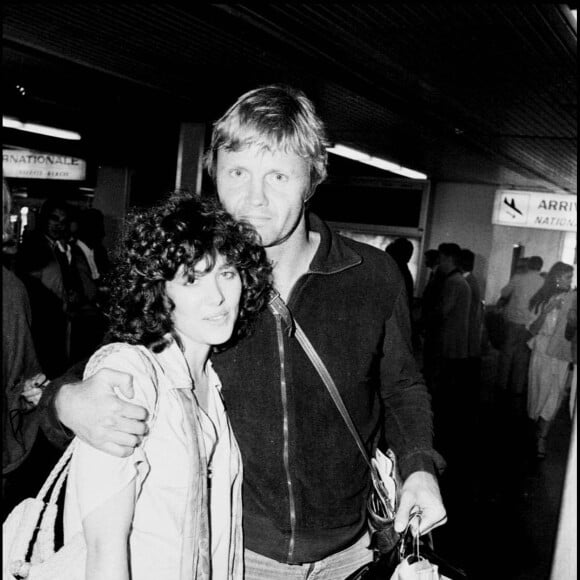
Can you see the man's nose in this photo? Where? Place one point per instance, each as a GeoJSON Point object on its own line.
{"type": "Point", "coordinates": [256, 191]}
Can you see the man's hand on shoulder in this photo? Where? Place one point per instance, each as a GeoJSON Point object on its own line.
{"type": "Point", "coordinates": [420, 490]}
{"type": "Point", "coordinates": [94, 412]}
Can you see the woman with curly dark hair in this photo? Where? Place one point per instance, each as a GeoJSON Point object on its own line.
{"type": "Point", "coordinates": [190, 279]}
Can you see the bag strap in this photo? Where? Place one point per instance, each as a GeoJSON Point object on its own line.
{"type": "Point", "coordinates": [58, 473]}
{"type": "Point", "coordinates": [278, 307]}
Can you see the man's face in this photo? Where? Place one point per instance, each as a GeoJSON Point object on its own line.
{"type": "Point", "coordinates": [266, 189]}
{"type": "Point", "coordinates": [446, 263]}
{"type": "Point", "coordinates": [57, 224]}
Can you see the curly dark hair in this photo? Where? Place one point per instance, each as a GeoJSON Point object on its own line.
{"type": "Point", "coordinates": [181, 231]}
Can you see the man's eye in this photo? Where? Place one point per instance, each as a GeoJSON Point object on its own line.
{"type": "Point", "coordinates": [236, 172]}
{"type": "Point", "coordinates": [280, 177]}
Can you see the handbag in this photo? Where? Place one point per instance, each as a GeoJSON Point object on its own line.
{"type": "Point", "coordinates": [414, 559]}
{"type": "Point", "coordinates": [28, 534]}
{"type": "Point", "coordinates": [382, 500]}
{"type": "Point", "coordinates": [414, 566]}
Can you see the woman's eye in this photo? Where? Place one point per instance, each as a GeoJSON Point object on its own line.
{"type": "Point", "coordinates": [236, 173]}
{"type": "Point", "coordinates": [280, 177]}
{"type": "Point", "coordinates": [229, 274]}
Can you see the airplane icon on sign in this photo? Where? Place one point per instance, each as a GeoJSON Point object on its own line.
{"type": "Point", "coordinates": [512, 205]}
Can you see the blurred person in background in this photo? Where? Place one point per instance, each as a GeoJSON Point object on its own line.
{"type": "Point", "coordinates": [571, 334]}
{"type": "Point", "coordinates": [522, 265]}
{"type": "Point", "coordinates": [46, 253]}
{"type": "Point", "coordinates": [22, 379]}
{"type": "Point", "coordinates": [475, 328]}
{"type": "Point", "coordinates": [446, 351]}
{"type": "Point", "coordinates": [47, 264]}
{"type": "Point", "coordinates": [431, 261]}
{"type": "Point", "coordinates": [89, 238]}
{"type": "Point", "coordinates": [401, 251]}
{"type": "Point", "coordinates": [551, 353]}
{"type": "Point", "coordinates": [87, 322]}
{"type": "Point", "coordinates": [432, 287]}
{"type": "Point", "coordinates": [514, 358]}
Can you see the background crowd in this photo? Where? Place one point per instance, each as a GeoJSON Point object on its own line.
{"type": "Point", "coordinates": [53, 300]}
{"type": "Point", "coordinates": [532, 326]}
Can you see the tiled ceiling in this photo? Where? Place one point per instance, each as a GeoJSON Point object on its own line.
{"type": "Point", "coordinates": [466, 91]}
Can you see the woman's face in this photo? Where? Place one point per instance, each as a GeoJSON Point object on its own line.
{"type": "Point", "coordinates": [206, 309]}
{"type": "Point", "coordinates": [564, 281]}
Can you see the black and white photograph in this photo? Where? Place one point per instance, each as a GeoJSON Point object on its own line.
{"type": "Point", "coordinates": [289, 290]}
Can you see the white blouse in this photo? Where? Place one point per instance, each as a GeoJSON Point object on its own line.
{"type": "Point", "coordinates": [161, 467]}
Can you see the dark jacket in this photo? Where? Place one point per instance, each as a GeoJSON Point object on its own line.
{"type": "Point", "coordinates": [305, 482]}
{"type": "Point", "coordinates": [475, 317]}
{"type": "Point", "coordinates": [19, 362]}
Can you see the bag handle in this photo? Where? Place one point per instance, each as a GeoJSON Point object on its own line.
{"type": "Point", "coordinates": [278, 307]}
{"type": "Point", "coordinates": [58, 473]}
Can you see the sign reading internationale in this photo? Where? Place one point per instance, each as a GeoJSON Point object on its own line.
{"type": "Point", "coordinates": [532, 209]}
{"type": "Point", "coordinates": [37, 165]}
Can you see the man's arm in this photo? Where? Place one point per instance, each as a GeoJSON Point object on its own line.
{"type": "Point", "coordinates": [409, 425]}
{"type": "Point", "coordinates": [92, 410]}
{"type": "Point", "coordinates": [54, 430]}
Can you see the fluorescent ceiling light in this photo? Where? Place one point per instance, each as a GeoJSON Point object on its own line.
{"type": "Point", "coordinates": [12, 123]}
{"type": "Point", "coordinates": [356, 155]}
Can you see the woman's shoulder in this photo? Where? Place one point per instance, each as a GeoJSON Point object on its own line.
{"type": "Point", "coordinates": [119, 353]}
{"type": "Point", "coordinates": [133, 359]}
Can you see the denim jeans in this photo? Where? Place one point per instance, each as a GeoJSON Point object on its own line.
{"type": "Point", "coordinates": [334, 567]}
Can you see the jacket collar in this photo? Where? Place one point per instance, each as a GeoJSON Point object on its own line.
{"type": "Point", "coordinates": [333, 254]}
{"type": "Point", "coordinates": [175, 368]}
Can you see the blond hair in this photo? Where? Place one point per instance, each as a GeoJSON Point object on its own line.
{"type": "Point", "coordinates": [276, 118]}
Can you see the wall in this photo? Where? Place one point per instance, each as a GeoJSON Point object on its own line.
{"type": "Point", "coordinates": [461, 213]}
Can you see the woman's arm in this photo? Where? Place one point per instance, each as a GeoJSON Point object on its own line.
{"type": "Point", "coordinates": [536, 326]}
{"type": "Point", "coordinates": [106, 531]}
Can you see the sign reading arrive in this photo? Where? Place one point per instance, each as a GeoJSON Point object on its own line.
{"type": "Point", "coordinates": [532, 209]}
{"type": "Point", "coordinates": [38, 165]}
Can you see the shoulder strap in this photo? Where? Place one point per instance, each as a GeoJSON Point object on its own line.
{"type": "Point", "coordinates": [278, 307]}
{"type": "Point", "coordinates": [58, 474]}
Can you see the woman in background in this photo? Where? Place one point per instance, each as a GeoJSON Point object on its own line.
{"type": "Point", "coordinates": [551, 354]}
{"type": "Point", "coordinates": [190, 280]}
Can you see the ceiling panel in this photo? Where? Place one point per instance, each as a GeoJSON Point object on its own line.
{"type": "Point", "coordinates": [484, 92]}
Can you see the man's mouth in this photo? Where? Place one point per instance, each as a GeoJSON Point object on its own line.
{"type": "Point", "coordinates": [256, 218]}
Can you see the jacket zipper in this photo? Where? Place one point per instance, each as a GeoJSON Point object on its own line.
{"type": "Point", "coordinates": [286, 454]}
